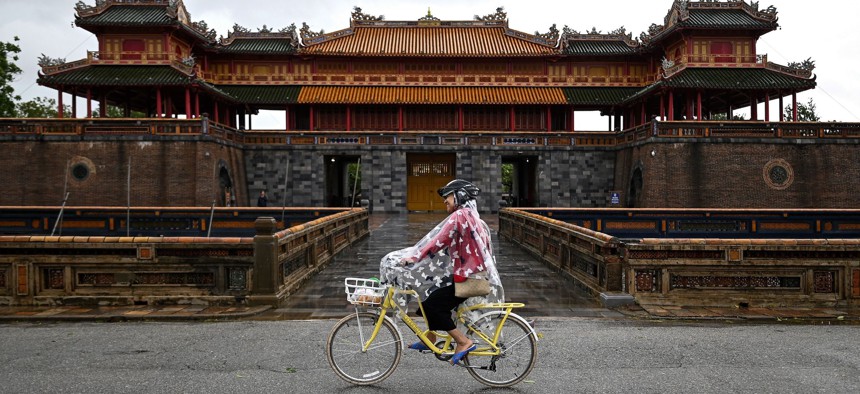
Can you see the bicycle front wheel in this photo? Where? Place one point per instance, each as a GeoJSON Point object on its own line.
{"type": "Point", "coordinates": [517, 358]}
{"type": "Point", "coordinates": [345, 355]}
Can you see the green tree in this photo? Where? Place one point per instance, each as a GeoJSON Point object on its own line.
{"type": "Point", "coordinates": [40, 107]}
{"type": "Point", "coordinates": [805, 112]}
{"type": "Point", "coordinates": [8, 71]}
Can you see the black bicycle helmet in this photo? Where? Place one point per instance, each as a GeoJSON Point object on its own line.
{"type": "Point", "coordinates": [463, 191]}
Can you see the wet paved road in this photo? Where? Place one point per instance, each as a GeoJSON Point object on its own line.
{"type": "Point", "coordinates": [526, 280]}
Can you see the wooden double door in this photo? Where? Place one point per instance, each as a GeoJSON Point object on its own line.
{"type": "Point", "coordinates": [426, 173]}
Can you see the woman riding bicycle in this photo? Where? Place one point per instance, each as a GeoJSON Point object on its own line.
{"type": "Point", "coordinates": [456, 250]}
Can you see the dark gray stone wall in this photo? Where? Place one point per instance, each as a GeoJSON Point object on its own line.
{"type": "Point", "coordinates": [565, 177]}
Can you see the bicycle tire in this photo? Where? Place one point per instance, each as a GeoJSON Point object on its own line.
{"type": "Point", "coordinates": [519, 354]}
{"type": "Point", "coordinates": [343, 349]}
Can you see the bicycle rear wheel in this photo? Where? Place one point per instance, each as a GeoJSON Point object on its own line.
{"type": "Point", "coordinates": [519, 353]}
{"type": "Point", "coordinates": [349, 362]}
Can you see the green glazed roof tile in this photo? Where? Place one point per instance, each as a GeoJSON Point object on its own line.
{"type": "Point", "coordinates": [263, 46]}
{"type": "Point", "coordinates": [123, 16]}
{"type": "Point", "coordinates": [583, 47]}
{"type": "Point", "coordinates": [725, 18]}
{"type": "Point", "coordinates": [597, 96]}
{"type": "Point", "coordinates": [256, 94]}
{"type": "Point", "coordinates": [118, 76]}
{"type": "Point", "coordinates": [737, 78]}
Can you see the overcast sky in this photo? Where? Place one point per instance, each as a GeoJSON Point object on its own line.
{"type": "Point", "coordinates": [823, 31]}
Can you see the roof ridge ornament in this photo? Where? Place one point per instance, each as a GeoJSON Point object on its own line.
{"type": "Point", "coordinates": [429, 17]}
{"type": "Point", "coordinates": [357, 15]}
{"type": "Point", "coordinates": [500, 15]}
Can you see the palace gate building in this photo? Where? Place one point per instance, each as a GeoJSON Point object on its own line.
{"type": "Point", "coordinates": [409, 105]}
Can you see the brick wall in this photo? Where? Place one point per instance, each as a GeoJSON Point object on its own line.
{"type": "Point", "coordinates": [760, 174]}
{"type": "Point", "coordinates": [163, 173]}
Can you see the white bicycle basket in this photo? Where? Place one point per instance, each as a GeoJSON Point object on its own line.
{"type": "Point", "coordinates": [360, 291]}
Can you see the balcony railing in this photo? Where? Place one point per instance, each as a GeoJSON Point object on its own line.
{"type": "Point", "coordinates": [166, 128]}
{"type": "Point", "coordinates": [111, 58]}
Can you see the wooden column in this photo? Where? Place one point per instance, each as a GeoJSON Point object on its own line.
{"type": "Point", "coordinates": [187, 103]}
{"type": "Point", "coordinates": [215, 111]}
{"type": "Point", "coordinates": [348, 118]}
{"type": "Point", "coordinates": [513, 119]}
{"type": "Point", "coordinates": [548, 118]}
{"type": "Point", "coordinates": [89, 103]}
{"type": "Point", "coordinates": [74, 106]}
{"type": "Point", "coordinates": [671, 105]}
{"type": "Point", "coordinates": [103, 106]}
{"type": "Point", "coordinates": [158, 109]}
{"type": "Point", "coordinates": [571, 127]}
{"type": "Point", "coordinates": [399, 118]}
{"type": "Point", "coordinates": [699, 105]}
{"type": "Point", "coordinates": [767, 107]}
{"type": "Point", "coordinates": [794, 106]}
{"type": "Point", "coordinates": [196, 104]}
{"type": "Point", "coordinates": [460, 118]}
{"type": "Point", "coordinates": [287, 116]}
{"type": "Point", "coordinates": [642, 114]}
{"type": "Point", "coordinates": [311, 120]}
{"type": "Point", "coordinates": [753, 108]}
{"type": "Point", "coordinates": [60, 103]}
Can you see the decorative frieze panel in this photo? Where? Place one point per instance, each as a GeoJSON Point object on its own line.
{"type": "Point", "coordinates": [146, 279]}
{"type": "Point", "coordinates": [676, 254]}
{"type": "Point", "coordinates": [824, 281]}
{"type": "Point", "coordinates": [647, 281]}
{"type": "Point", "coordinates": [54, 279]}
{"type": "Point", "coordinates": [237, 278]}
{"type": "Point", "coordinates": [733, 282]}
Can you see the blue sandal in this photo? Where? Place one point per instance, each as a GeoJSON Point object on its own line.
{"type": "Point", "coordinates": [459, 356]}
{"type": "Point", "coordinates": [419, 346]}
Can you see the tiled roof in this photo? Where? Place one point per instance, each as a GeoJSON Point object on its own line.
{"type": "Point", "coordinates": [597, 96]}
{"type": "Point", "coordinates": [429, 95]}
{"type": "Point", "coordinates": [735, 19]}
{"type": "Point", "coordinates": [256, 94]}
{"type": "Point", "coordinates": [593, 47]}
{"type": "Point", "coordinates": [124, 16]}
{"type": "Point", "coordinates": [427, 41]}
{"type": "Point", "coordinates": [737, 78]}
{"type": "Point", "coordinates": [267, 46]}
{"type": "Point", "coordinates": [598, 47]}
{"type": "Point", "coordinates": [118, 76]}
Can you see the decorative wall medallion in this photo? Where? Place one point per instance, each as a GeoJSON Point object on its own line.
{"type": "Point", "coordinates": [778, 174]}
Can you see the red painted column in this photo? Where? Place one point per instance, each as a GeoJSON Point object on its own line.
{"type": "Point", "coordinates": [548, 118]}
{"type": "Point", "coordinates": [348, 118]}
{"type": "Point", "coordinates": [89, 103]}
{"type": "Point", "coordinates": [571, 128]}
{"type": "Point", "coordinates": [196, 104]}
{"type": "Point", "coordinates": [513, 118]}
{"type": "Point", "coordinates": [767, 107]}
{"type": "Point", "coordinates": [187, 103]}
{"type": "Point", "coordinates": [794, 106]}
{"type": "Point", "coordinates": [158, 109]}
{"type": "Point", "coordinates": [699, 105]}
{"type": "Point", "coordinates": [460, 118]}
{"type": "Point", "coordinates": [642, 120]}
{"type": "Point", "coordinates": [60, 103]}
{"type": "Point", "coordinates": [689, 108]}
{"type": "Point", "coordinates": [74, 106]}
{"type": "Point", "coordinates": [671, 105]}
{"type": "Point", "coordinates": [399, 118]}
{"type": "Point", "coordinates": [215, 110]}
{"type": "Point", "coordinates": [103, 106]}
{"type": "Point", "coordinates": [312, 117]}
{"type": "Point", "coordinates": [169, 110]}
{"type": "Point", "coordinates": [287, 116]}
{"type": "Point", "coordinates": [754, 108]}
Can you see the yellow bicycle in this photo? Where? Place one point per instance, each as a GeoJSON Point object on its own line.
{"type": "Point", "coordinates": [365, 347]}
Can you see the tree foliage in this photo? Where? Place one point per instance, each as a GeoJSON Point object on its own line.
{"type": "Point", "coordinates": [805, 112]}
{"type": "Point", "coordinates": [8, 71]}
{"type": "Point", "coordinates": [40, 107]}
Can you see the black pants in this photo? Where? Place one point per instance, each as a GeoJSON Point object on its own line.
{"type": "Point", "coordinates": [438, 307]}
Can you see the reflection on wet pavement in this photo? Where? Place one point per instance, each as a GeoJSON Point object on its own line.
{"type": "Point", "coordinates": [545, 293]}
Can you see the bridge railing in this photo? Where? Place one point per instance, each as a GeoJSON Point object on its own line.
{"type": "Point", "coordinates": [734, 266]}
{"type": "Point", "coordinates": [589, 257]}
{"type": "Point", "coordinates": [119, 270]}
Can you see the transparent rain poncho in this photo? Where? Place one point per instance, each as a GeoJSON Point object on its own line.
{"type": "Point", "coordinates": [462, 237]}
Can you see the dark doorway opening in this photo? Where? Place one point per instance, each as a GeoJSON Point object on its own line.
{"type": "Point", "coordinates": [342, 181]}
{"type": "Point", "coordinates": [634, 193]}
{"type": "Point", "coordinates": [519, 181]}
